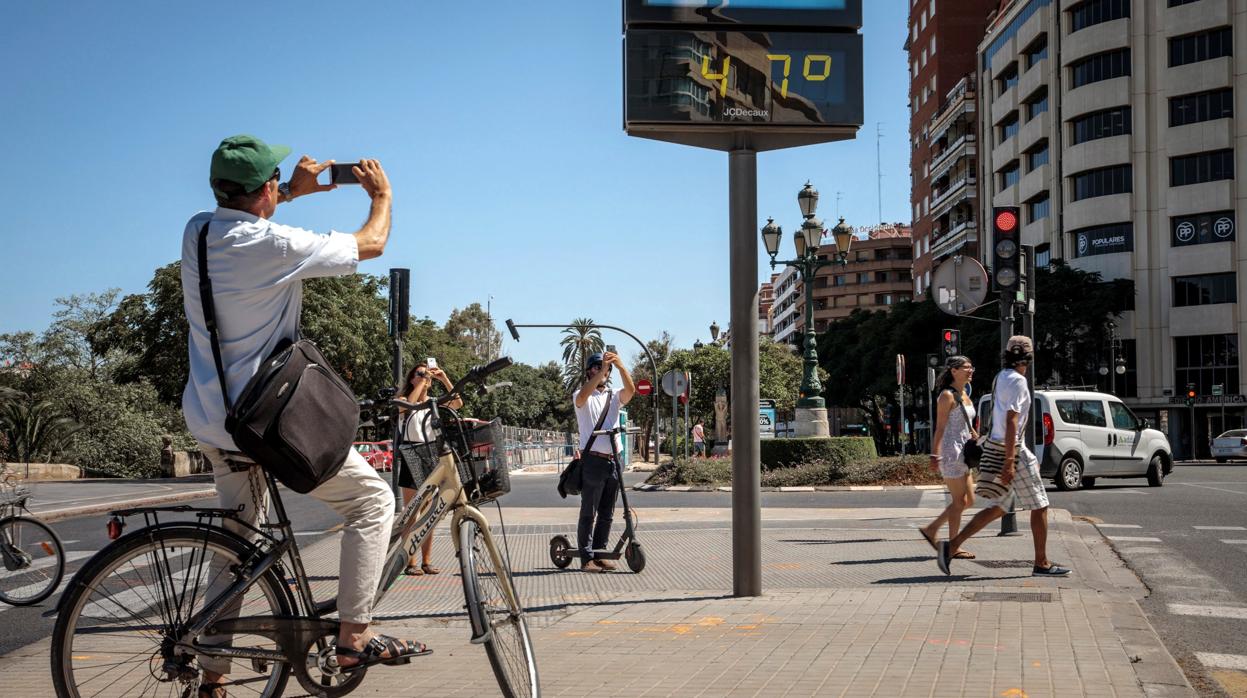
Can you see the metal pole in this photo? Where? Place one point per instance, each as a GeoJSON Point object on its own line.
{"type": "Point", "coordinates": [1008, 522]}
{"type": "Point", "coordinates": [687, 400]}
{"type": "Point", "coordinates": [901, 436]}
{"type": "Point", "coordinates": [399, 310]}
{"type": "Point", "coordinates": [746, 449]}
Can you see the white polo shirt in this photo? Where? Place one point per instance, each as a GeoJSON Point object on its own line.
{"type": "Point", "coordinates": [587, 418]}
{"type": "Point", "coordinates": [256, 267]}
{"type": "Point", "coordinates": [1011, 394]}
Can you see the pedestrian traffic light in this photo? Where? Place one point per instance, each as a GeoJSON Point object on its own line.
{"type": "Point", "coordinates": [933, 360]}
{"type": "Point", "coordinates": [1190, 394]}
{"type": "Point", "coordinates": [1006, 257]}
{"type": "Point", "coordinates": [951, 346]}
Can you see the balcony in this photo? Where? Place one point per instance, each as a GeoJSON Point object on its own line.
{"type": "Point", "coordinates": [955, 239]}
{"type": "Point", "coordinates": [966, 145]}
{"type": "Point", "coordinates": [959, 100]}
{"type": "Point", "coordinates": [956, 191]}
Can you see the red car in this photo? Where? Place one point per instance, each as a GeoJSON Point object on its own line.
{"type": "Point", "coordinates": [378, 454]}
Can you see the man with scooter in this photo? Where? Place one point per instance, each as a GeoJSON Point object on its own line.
{"type": "Point", "coordinates": [597, 408]}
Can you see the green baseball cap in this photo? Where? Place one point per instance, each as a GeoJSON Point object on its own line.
{"type": "Point", "coordinates": [246, 160]}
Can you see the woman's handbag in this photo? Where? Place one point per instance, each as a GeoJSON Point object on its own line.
{"type": "Point", "coordinates": [296, 417]}
{"type": "Point", "coordinates": [972, 451]}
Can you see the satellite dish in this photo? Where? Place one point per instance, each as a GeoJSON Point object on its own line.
{"type": "Point", "coordinates": [959, 285]}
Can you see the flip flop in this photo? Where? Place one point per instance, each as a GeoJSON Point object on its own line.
{"type": "Point", "coordinates": [963, 555]}
{"type": "Point", "coordinates": [413, 571]}
{"type": "Point", "coordinates": [930, 540]}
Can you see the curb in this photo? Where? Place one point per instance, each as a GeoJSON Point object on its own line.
{"type": "Point", "coordinates": [645, 487]}
{"type": "Point", "coordinates": [75, 512]}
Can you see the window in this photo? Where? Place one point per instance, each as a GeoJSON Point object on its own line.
{"type": "Point", "coordinates": [1203, 46]}
{"type": "Point", "coordinates": [1037, 209]}
{"type": "Point", "coordinates": [1101, 124]}
{"type": "Point", "coordinates": [1091, 413]}
{"type": "Point", "coordinates": [1201, 106]}
{"type": "Point", "coordinates": [1094, 12]}
{"type": "Point", "coordinates": [1102, 66]}
{"type": "Point", "coordinates": [1201, 167]}
{"type": "Point", "coordinates": [863, 277]}
{"type": "Point", "coordinates": [1043, 255]}
{"type": "Point", "coordinates": [1010, 175]}
{"type": "Point", "coordinates": [881, 277]}
{"type": "Point", "coordinates": [1037, 51]}
{"type": "Point", "coordinates": [1037, 105]}
{"type": "Point", "coordinates": [1123, 418]}
{"type": "Point", "coordinates": [1007, 78]}
{"type": "Point", "coordinates": [1008, 128]}
{"type": "Point", "coordinates": [883, 299]}
{"type": "Point", "coordinates": [933, 47]}
{"type": "Point", "coordinates": [1068, 409]}
{"type": "Point", "coordinates": [1205, 289]}
{"type": "Point", "coordinates": [1206, 360]}
{"type": "Point", "coordinates": [1202, 228]}
{"type": "Point", "coordinates": [1037, 156]}
{"type": "Point", "coordinates": [1104, 181]}
{"type": "Point", "coordinates": [1103, 239]}
{"type": "Point", "coordinates": [1011, 29]}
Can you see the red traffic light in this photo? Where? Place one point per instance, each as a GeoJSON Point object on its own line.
{"type": "Point", "coordinates": [1006, 221]}
{"type": "Point", "coordinates": [1190, 393]}
{"type": "Point", "coordinates": [948, 335]}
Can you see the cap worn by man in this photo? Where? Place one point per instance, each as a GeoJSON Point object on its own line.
{"type": "Point", "coordinates": [1020, 343]}
{"type": "Point", "coordinates": [245, 160]}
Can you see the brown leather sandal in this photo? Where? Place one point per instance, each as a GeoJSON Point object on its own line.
{"type": "Point", "coordinates": [401, 652]}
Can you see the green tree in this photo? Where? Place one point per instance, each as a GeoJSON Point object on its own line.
{"type": "Point", "coordinates": [474, 330]}
{"type": "Point", "coordinates": [535, 399]}
{"type": "Point", "coordinates": [641, 409]}
{"type": "Point", "coordinates": [580, 340]}
{"type": "Point", "coordinates": [150, 331]}
{"type": "Point", "coordinates": [32, 430]}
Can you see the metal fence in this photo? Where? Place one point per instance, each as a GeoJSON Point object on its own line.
{"type": "Point", "coordinates": [527, 447]}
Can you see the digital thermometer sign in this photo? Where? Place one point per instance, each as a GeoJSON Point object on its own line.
{"type": "Point", "coordinates": [841, 14]}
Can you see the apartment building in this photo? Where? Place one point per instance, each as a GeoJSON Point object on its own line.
{"type": "Point", "coordinates": [785, 322]}
{"type": "Point", "coordinates": [878, 275]}
{"type": "Point", "coordinates": [766, 299]}
{"type": "Point", "coordinates": [942, 47]}
{"type": "Point", "coordinates": [1110, 123]}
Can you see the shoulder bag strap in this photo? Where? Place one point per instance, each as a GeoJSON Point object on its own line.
{"type": "Point", "coordinates": [209, 310]}
{"type": "Point", "coordinates": [601, 420]}
{"type": "Point", "coordinates": [958, 396]}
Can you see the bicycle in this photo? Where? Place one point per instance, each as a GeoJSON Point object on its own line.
{"type": "Point", "coordinates": [33, 557]}
{"type": "Point", "coordinates": [136, 612]}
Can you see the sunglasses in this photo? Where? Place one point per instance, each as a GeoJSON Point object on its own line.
{"type": "Point", "coordinates": [276, 174]}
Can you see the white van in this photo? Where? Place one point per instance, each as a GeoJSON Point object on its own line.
{"type": "Point", "coordinates": [1083, 435]}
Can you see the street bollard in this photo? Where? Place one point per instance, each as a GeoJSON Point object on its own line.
{"type": "Point", "coordinates": [1009, 523]}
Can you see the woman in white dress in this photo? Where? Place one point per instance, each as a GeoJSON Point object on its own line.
{"type": "Point", "coordinates": [416, 389]}
{"type": "Point", "coordinates": [954, 425]}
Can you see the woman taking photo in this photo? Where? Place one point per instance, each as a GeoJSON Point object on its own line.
{"type": "Point", "coordinates": [416, 389]}
{"type": "Point", "coordinates": [954, 425]}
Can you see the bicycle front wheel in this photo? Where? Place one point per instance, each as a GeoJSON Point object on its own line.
{"type": "Point", "coordinates": [120, 622]}
{"type": "Point", "coordinates": [486, 587]}
{"type": "Point", "coordinates": [32, 558]}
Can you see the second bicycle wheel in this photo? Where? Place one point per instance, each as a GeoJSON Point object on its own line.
{"type": "Point", "coordinates": [32, 561]}
{"type": "Point", "coordinates": [485, 587]}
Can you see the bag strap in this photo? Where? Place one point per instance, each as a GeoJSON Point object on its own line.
{"type": "Point", "coordinates": [601, 420]}
{"type": "Point", "coordinates": [959, 396]}
{"type": "Point", "coordinates": [209, 310]}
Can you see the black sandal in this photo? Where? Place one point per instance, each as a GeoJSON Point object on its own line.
{"type": "Point", "coordinates": [209, 690]}
{"type": "Point", "coordinates": [401, 652]}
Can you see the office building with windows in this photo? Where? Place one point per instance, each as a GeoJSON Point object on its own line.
{"type": "Point", "coordinates": [1110, 123]}
{"type": "Point", "coordinates": [877, 275]}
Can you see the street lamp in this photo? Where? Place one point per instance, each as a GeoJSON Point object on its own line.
{"type": "Point", "coordinates": [697, 345]}
{"type": "Point", "coordinates": [807, 241]}
{"type": "Point", "coordinates": [714, 332]}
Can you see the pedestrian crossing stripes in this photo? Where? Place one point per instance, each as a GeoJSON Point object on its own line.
{"type": "Point", "coordinates": [1134, 539]}
{"type": "Point", "coordinates": [1182, 609]}
{"type": "Point", "coordinates": [1222, 661]}
{"type": "Point", "coordinates": [1109, 525]}
{"type": "Point", "coordinates": [1220, 528]}
{"type": "Point", "coordinates": [1233, 541]}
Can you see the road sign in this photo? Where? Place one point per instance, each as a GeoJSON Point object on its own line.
{"type": "Point", "coordinates": [931, 379]}
{"type": "Point", "coordinates": [959, 285]}
{"type": "Point", "coordinates": [674, 383]}
{"type": "Point", "coordinates": [644, 387]}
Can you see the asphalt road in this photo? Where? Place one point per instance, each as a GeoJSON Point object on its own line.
{"type": "Point", "coordinates": [1178, 538]}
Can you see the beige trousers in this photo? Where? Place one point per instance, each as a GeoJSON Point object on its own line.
{"type": "Point", "coordinates": [356, 492]}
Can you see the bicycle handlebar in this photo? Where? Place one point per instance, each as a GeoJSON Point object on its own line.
{"type": "Point", "coordinates": [476, 374]}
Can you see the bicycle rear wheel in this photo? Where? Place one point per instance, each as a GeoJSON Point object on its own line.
{"type": "Point", "coordinates": [485, 587]}
{"type": "Point", "coordinates": [33, 561]}
{"type": "Point", "coordinates": [120, 621]}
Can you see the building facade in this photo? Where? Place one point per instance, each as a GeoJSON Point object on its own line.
{"type": "Point", "coordinates": [766, 300]}
{"type": "Point", "coordinates": [878, 275]}
{"type": "Point", "coordinates": [785, 322]}
{"type": "Point", "coordinates": [942, 45]}
{"type": "Point", "coordinates": [1110, 123]}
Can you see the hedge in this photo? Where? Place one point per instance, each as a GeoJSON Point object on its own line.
{"type": "Point", "coordinates": [837, 450]}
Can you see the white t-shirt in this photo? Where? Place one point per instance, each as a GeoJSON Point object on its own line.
{"type": "Point", "coordinates": [256, 267]}
{"type": "Point", "coordinates": [1011, 394]}
{"type": "Point", "coordinates": [587, 419]}
{"type": "Point", "coordinates": [417, 422]}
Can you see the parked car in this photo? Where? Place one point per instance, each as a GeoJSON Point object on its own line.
{"type": "Point", "coordinates": [377, 453]}
{"type": "Point", "coordinates": [1231, 444]}
{"type": "Point", "coordinates": [1083, 435]}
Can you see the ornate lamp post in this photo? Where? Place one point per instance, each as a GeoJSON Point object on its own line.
{"type": "Point", "coordinates": [807, 241]}
{"type": "Point", "coordinates": [714, 332]}
{"type": "Point", "coordinates": [1115, 360]}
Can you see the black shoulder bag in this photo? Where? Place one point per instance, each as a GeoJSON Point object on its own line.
{"type": "Point", "coordinates": [972, 451]}
{"type": "Point", "coordinates": [296, 417]}
{"type": "Point", "coordinates": [571, 479]}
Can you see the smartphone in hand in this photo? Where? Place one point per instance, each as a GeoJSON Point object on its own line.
{"type": "Point", "coordinates": [340, 173]}
{"type": "Point", "coordinates": [430, 362]}
{"type": "Point", "coordinates": [611, 348]}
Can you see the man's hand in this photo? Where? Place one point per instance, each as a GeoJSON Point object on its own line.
{"type": "Point", "coordinates": [612, 359]}
{"type": "Point", "coordinates": [1006, 473]}
{"type": "Point", "coordinates": [303, 179]}
{"type": "Point", "coordinates": [372, 178]}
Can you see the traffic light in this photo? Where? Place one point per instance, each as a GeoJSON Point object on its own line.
{"type": "Point", "coordinates": [933, 360]}
{"type": "Point", "coordinates": [951, 346]}
{"type": "Point", "coordinates": [1006, 248]}
{"type": "Point", "coordinates": [1190, 394]}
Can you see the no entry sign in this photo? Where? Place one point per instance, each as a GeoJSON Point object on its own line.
{"type": "Point", "coordinates": [644, 387]}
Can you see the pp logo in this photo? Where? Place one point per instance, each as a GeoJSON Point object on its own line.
{"type": "Point", "coordinates": [1186, 231]}
{"type": "Point", "coordinates": [1224, 227]}
{"type": "Point", "coordinates": [1082, 244]}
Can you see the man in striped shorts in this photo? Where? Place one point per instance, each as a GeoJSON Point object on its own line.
{"type": "Point", "coordinates": [1019, 484]}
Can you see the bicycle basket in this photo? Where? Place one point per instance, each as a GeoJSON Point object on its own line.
{"type": "Point", "coordinates": [419, 459]}
{"type": "Point", "coordinates": [481, 453]}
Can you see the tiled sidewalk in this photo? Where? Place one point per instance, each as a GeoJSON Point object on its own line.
{"type": "Point", "coordinates": [853, 607]}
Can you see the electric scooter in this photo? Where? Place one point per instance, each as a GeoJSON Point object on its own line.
{"type": "Point", "coordinates": [561, 550]}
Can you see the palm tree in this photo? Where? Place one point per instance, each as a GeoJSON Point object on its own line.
{"type": "Point", "coordinates": [33, 429]}
{"type": "Point", "coordinates": [581, 339]}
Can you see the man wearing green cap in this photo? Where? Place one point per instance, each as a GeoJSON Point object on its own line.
{"type": "Point", "coordinates": [257, 267]}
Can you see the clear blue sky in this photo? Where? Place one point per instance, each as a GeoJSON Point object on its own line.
{"type": "Point", "coordinates": [499, 124]}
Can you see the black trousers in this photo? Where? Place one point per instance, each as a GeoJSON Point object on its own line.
{"type": "Point", "coordinates": [597, 503]}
